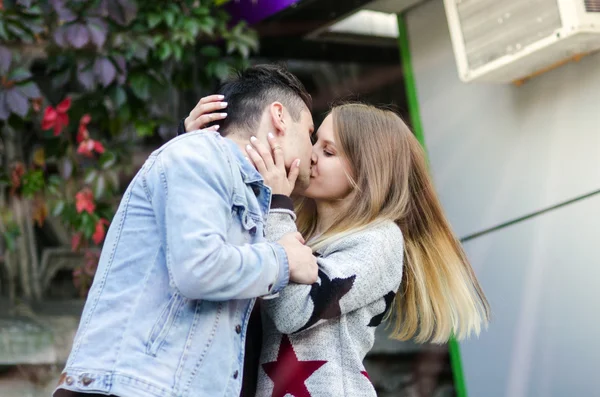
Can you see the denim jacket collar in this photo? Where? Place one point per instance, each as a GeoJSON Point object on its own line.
{"type": "Point", "coordinates": [249, 173]}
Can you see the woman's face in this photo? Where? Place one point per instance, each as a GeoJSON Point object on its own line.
{"type": "Point", "coordinates": [329, 173]}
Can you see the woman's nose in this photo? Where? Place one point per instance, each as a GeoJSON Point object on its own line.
{"type": "Point", "coordinates": [313, 158]}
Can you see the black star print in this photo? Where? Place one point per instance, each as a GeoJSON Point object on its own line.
{"type": "Point", "coordinates": [389, 298]}
{"type": "Point", "coordinates": [326, 298]}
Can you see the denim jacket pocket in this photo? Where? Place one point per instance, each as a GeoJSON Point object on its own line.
{"type": "Point", "coordinates": [163, 324]}
{"type": "Point", "coordinates": [246, 218]}
{"type": "Point", "coordinates": [248, 223]}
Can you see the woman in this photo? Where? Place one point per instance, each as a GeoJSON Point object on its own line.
{"type": "Point", "coordinates": [384, 248]}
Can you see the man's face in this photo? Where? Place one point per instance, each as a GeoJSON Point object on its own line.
{"type": "Point", "coordinates": [296, 144]}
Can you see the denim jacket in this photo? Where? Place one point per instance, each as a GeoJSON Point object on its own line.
{"type": "Point", "coordinates": [183, 260]}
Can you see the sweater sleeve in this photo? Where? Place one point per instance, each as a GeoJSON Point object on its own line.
{"type": "Point", "coordinates": [181, 127]}
{"type": "Point", "coordinates": [281, 219]}
{"type": "Point", "coordinates": [354, 272]}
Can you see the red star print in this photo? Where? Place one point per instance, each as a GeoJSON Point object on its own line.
{"type": "Point", "coordinates": [288, 374]}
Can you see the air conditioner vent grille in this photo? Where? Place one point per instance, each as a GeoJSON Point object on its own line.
{"type": "Point", "coordinates": [592, 5]}
{"type": "Point", "coordinates": [492, 29]}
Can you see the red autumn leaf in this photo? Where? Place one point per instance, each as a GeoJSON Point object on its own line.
{"type": "Point", "coordinates": [56, 118]}
{"type": "Point", "coordinates": [87, 147]}
{"type": "Point", "coordinates": [82, 132]}
{"type": "Point", "coordinates": [49, 118]}
{"type": "Point", "coordinates": [100, 231]}
{"type": "Point", "coordinates": [84, 201]}
{"type": "Point", "coordinates": [64, 105]}
{"type": "Point", "coordinates": [98, 147]}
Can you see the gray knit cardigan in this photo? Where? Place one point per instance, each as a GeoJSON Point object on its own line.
{"type": "Point", "coordinates": [316, 337]}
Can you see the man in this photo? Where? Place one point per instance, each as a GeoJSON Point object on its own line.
{"type": "Point", "coordinates": [185, 255]}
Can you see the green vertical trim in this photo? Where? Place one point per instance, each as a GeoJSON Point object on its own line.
{"type": "Point", "coordinates": [415, 117]}
{"type": "Point", "coordinates": [457, 368]}
{"type": "Point", "coordinates": [409, 81]}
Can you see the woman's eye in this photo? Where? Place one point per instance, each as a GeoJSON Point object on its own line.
{"type": "Point", "coordinates": [327, 154]}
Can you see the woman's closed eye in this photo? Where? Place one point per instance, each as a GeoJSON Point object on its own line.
{"type": "Point", "coordinates": [327, 153]}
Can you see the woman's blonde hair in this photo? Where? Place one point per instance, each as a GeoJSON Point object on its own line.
{"type": "Point", "coordinates": [439, 295]}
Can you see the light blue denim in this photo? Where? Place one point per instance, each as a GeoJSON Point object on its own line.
{"type": "Point", "coordinates": [183, 260]}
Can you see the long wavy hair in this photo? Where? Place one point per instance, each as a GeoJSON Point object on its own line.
{"type": "Point", "coordinates": [439, 295]}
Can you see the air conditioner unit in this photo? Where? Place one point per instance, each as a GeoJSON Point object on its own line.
{"type": "Point", "coordinates": [505, 41]}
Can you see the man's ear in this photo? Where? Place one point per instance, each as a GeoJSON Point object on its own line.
{"type": "Point", "coordinates": [276, 112]}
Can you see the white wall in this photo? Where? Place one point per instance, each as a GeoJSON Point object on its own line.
{"type": "Point", "coordinates": [507, 150]}
{"type": "Point", "coordinates": [499, 152]}
{"type": "Point", "coordinates": [541, 277]}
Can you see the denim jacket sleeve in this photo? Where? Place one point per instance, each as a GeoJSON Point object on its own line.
{"type": "Point", "coordinates": [193, 204]}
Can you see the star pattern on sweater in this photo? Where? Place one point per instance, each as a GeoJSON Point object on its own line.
{"type": "Point", "coordinates": [288, 373]}
{"type": "Point", "coordinates": [389, 298]}
{"type": "Point", "coordinates": [326, 298]}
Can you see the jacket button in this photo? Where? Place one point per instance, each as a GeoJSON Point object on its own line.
{"type": "Point", "coordinates": [69, 380]}
{"type": "Point", "coordinates": [238, 329]}
{"type": "Point", "coordinates": [87, 380]}
{"type": "Point", "coordinates": [235, 374]}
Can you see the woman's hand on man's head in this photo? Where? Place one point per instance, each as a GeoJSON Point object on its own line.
{"type": "Point", "coordinates": [206, 112]}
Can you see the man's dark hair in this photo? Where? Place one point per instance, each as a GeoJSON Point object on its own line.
{"type": "Point", "coordinates": [251, 90]}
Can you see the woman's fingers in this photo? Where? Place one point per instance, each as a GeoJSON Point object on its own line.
{"type": "Point", "coordinates": [257, 159]}
{"type": "Point", "coordinates": [211, 98]}
{"type": "Point", "coordinates": [201, 106]}
{"type": "Point", "coordinates": [211, 107]}
{"type": "Point", "coordinates": [274, 174]}
{"type": "Point", "coordinates": [209, 118]}
{"type": "Point", "coordinates": [294, 172]}
{"type": "Point", "coordinates": [273, 171]}
{"type": "Point", "coordinates": [208, 110]}
{"type": "Point", "coordinates": [276, 150]}
{"type": "Point", "coordinates": [264, 153]}
{"type": "Point", "coordinates": [201, 122]}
